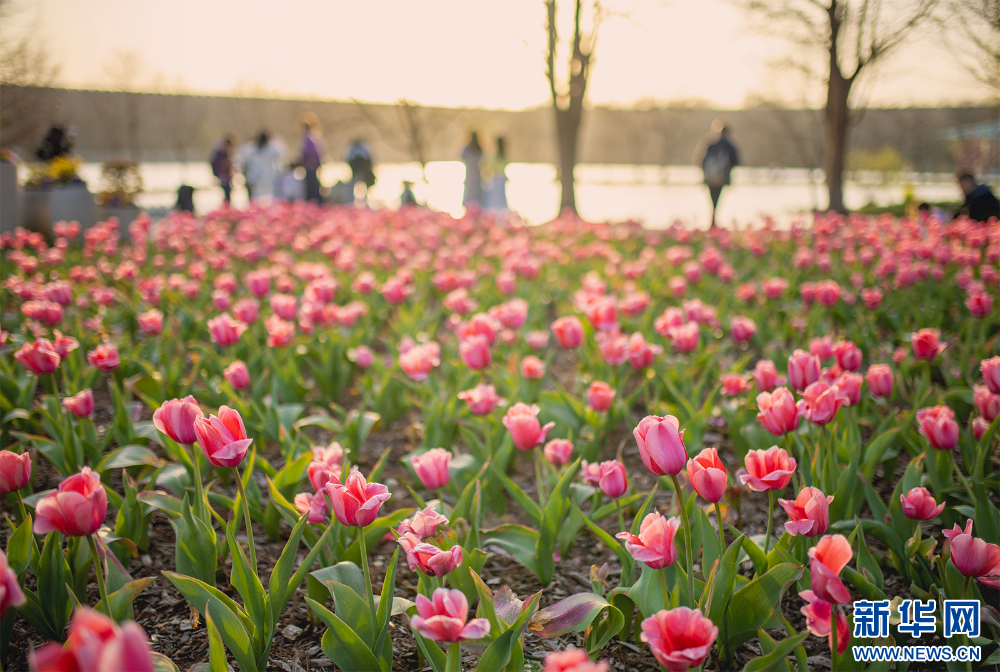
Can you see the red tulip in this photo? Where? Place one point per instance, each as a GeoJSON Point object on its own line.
{"type": "Point", "coordinates": [15, 471]}
{"type": "Point", "coordinates": [176, 418]}
{"type": "Point", "coordinates": [918, 504]}
{"type": "Point", "coordinates": [80, 404]}
{"type": "Point", "coordinates": [809, 513]}
{"type": "Point", "coordinates": [39, 357]}
{"type": "Point", "coordinates": [532, 368]}
{"type": "Point", "coordinates": [11, 594]}
{"type": "Point", "coordinates": [614, 481]}
{"type": "Point", "coordinates": [661, 444]}
{"type": "Point", "coordinates": [827, 559]}
{"type": "Point", "coordinates": [820, 403]}
{"type": "Point", "coordinates": [432, 468]}
{"type": "Point", "coordinates": [357, 502]}
{"type": "Point", "coordinates": [559, 452]}
{"type": "Point", "coordinates": [803, 369]}
{"type": "Point", "coordinates": [680, 638]}
{"type": "Point", "coordinates": [96, 643]}
{"type": "Point", "coordinates": [879, 378]}
{"type": "Point", "coordinates": [765, 376]}
{"type": "Point", "coordinates": [76, 509]}
{"type": "Point", "coordinates": [987, 402]}
{"type": "Point", "coordinates": [974, 557]}
{"type": "Point", "coordinates": [224, 330]}
{"type": "Point", "coordinates": [522, 423]}
{"type": "Point", "coordinates": [655, 544]}
{"type": "Point", "coordinates": [990, 369]}
{"type": "Point", "coordinates": [238, 375]}
{"type": "Point", "coordinates": [708, 475]}
{"type": "Point", "coordinates": [572, 660]}
{"type": "Point", "coordinates": [768, 470]}
{"type": "Point", "coordinates": [778, 412]}
{"type": "Point", "coordinates": [443, 619]}
{"type": "Point", "coordinates": [979, 304]}
{"type": "Point", "coordinates": [600, 396]}
{"type": "Point", "coordinates": [424, 523]}
{"type": "Point", "coordinates": [819, 620]}
{"type": "Point", "coordinates": [937, 423]}
{"type": "Point", "coordinates": [428, 558]}
{"type": "Point", "coordinates": [742, 329]}
{"type": "Point", "coordinates": [481, 399]}
{"type": "Point", "coordinates": [925, 344]}
{"type": "Point", "coordinates": [223, 438]}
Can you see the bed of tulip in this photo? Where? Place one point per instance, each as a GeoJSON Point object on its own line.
{"type": "Point", "coordinates": [228, 373]}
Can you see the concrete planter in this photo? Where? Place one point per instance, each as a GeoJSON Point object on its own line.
{"type": "Point", "coordinates": [125, 214]}
{"type": "Point", "coordinates": [45, 207]}
{"type": "Point", "coordinates": [11, 197]}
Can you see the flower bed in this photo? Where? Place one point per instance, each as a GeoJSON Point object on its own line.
{"type": "Point", "coordinates": [304, 437]}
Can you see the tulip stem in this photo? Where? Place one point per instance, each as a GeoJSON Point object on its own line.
{"type": "Point", "coordinates": [99, 571]}
{"type": "Point", "coordinates": [621, 517]}
{"type": "Point", "coordinates": [770, 520]}
{"type": "Point", "coordinates": [539, 475]}
{"type": "Point", "coordinates": [454, 661]}
{"type": "Point", "coordinates": [20, 503]}
{"type": "Point", "coordinates": [833, 639]}
{"type": "Point", "coordinates": [440, 494]}
{"type": "Point", "coordinates": [687, 538]}
{"type": "Point", "coordinates": [246, 515]}
{"type": "Point", "coordinates": [368, 581]}
{"type": "Point", "coordinates": [199, 488]}
{"type": "Point", "coordinates": [722, 534]}
{"type": "Point", "coordinates": [663, 588]}
{"type": "Point", "coordinates": [965, 587]}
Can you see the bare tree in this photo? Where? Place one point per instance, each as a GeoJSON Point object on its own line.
{"type": "Point", "coordinates": [978, 47]}
{"type": "Point", "coordinates": [413, 130]}
{"type": "Point", "coordinates": [123, 72]}
{"type": "Point", "coordinates": [25, 69]}
{"type": "Point", "coordinates": [567, 103]}
{"type": "Point", "coordinates": [856, 36]}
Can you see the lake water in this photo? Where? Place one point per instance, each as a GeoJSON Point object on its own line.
{"type": "Point", "coordinates": [654, 195]}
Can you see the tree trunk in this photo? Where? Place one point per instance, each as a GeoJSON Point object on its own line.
{"type": "Point", "coordinates": [567, 130]}
{"type": "Point", "coordinates": [836, 125]}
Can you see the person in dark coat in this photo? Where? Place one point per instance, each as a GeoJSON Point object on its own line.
{"type": "Point", "coordinates": [720, 158]}
{"type": "Point", "coordinates": [980, 204]}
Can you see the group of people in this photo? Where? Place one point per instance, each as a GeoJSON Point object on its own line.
{"type": "Point", "coordinates": [269, 174]}
{"type": "Point", "coordinates": [485, 179]}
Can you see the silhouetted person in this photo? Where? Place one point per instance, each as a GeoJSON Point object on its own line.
{"type": "Point", "coordinates": [185, 198]}
{"type": "Point", "coordinates": [720, 158]}
{"type": "Point", "coordinates": [263, 167]}
{"type": "Point", "coordinates": [495, 197]}
{"type": "Point", "coordinates": [472, 157]}
{"type": "Point", "coordinates": [312, 156]}
{"type": "Point", "coordinates": [222, 166]}
{"type": "Point", "coordinates": [980, 204]}
{"type": "Point", "coordinates": [407, 197]}
{"type": "Point", "coordinates": [359, 158]}
{"type": "Point", "coordinates": [57, 142]}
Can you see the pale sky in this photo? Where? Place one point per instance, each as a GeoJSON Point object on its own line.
{"type": "Point", "coordinates": [477, 53]}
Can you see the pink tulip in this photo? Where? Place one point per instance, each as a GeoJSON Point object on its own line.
{"type": "Point", "coordinates": [602, 313]}
{"type": "Point", "coordinates": [39, 357]}
{"type": "Point", "coordinates": [428, 558]}
{"type": "Point", "coordinates": [655, 544]}
{"type": "Point", "coordinates": [532, 368]}
{"type": "Point", "coordinates": [809, 513]}
{"type": "Point", "coordinates": [822, 347]}
{"type": "Point", "coordinates": [613, 346]}
{"type": "Point", "coordinates": [223, 438]}
{"type": "Point", "coordinates": [765, 376]}
{"type": "Point", "coordinates": [849, 386]}
{"type": "Point", "coordinates": [522, 423]}
{"type": "Point", "coordinates": [572, 660]}
{"type": "Point", "coordinates": [918, 504]}
{"type": "Point", "coordinates": [224, 330]}
{"type": "Point", "coordinates": [820, 403]}
{"type": "Point", "coordinates": [258, 282]}
{"type": "Point", "coordinates": [768, 470]}
{"type": "Point", "coordinates": [424, 523]}
{"type": "Point", "coordinates": [537, 340]}
{"type": "Point", "coordinates": [15, 471]}
{"type": "Point", "coordinates": [475, 352]}
{"type": "Point", "coordinates": [481, 399]}
{"type": "Point", "coordinates": [418, 361]}
{"type": "Point", "coordinates": [742, 329]}
{"type": "Point", "coordinates": [151, 322]}
{"type": "Point", "coordinates": [974, 557]}
{"type": "Point", "coordinates": [774, 287]}
{"type": "Point", "coordinates": [76, 509]}
{"type": "Point", "coordinates": [80, 404]}
{"type": "Point", "coordinates": [280, 333]}
{"type": "Point", "coordinates": [314, 505]}
{"type": "Point", "coordinates": [778, 412]}
{"type": "Point", "coordinates": [819, 620]}
{"type": "Point", "coordinates": [96, 644]}
{"type": "Point", "coordinates": [432, 468]}
{"type": "Point", "coordinates": [872, 297]}
{"type": "Point", "coordinates": [506, 282]}
{"type": "Point", "coordinates": [733, 384]}
{"type": "Point", "coordinates": [925, 344]}
{"type": "Point", "coordinates": [238, 375]}
{"type": "Point", "coordinates": [979, 428]}
{"type": "Point", "coordinates": [879, 378]}
{"type": "Point", "coordinates": [956, 530]}
{"type": "Point", "coordinates": [827, 292]}
{"type": "Point", "coordinates": [848, 355]}
{"type": "Point", "coordinates": [11, 594]}
{"type": "Point", "coordinates": [246, 310]}
{"type": "Point", "coordinates": [362, 356]}
{"type": "Point", "coordinates": [827, 559]}
{"type": "Point", "coordinates": [614, 481]}
{"type": "Point", "coordinates": [708, 475]}
{"type": "Point", "coordinates": [600, 396]}
{"type": "Point", "coordinates": [591, 473]}
{"type": "Point", "coordinates": [641, 353]}
{"type": "Point", "coordinates": [661, 444]}
{"type": "Point", "coordinates": [443, 619]}
{"type": "Point", "coordinates": [937, 423]}
{"type": "Point", "coordinates": [357, 502]}
{"type": "Point", "coordinates": [104, 357]}
{"type": "Point", "coordinates": [986, 402]}
{"type": "Point", "coordinates": [803, 369]}
{"type": "Point", "coordinates": [685, 338]}
{"type": "Point", "coordinates": [176, 418]}
{"type": "Point", "coordinates": [680, 638]}
{"type": "Point", "coordinates": [559, 452]}
{"type": "Point", "coordinates": [671, 317]}
{"type": "Point", "coordinates": [64, 345]}
{"type": "Point", "coordinates": [990, 369]}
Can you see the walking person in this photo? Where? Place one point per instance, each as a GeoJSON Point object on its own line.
{"type": "Point", "coordinates": [472, 157]}
{"type": "Point", "coordinates": [495, 197]}
{"type": "Point", "coordinates": [980, 204]}
{"type": "Point", "coordinates": [720, 158]}
{"type": "Point", "coordinates": [359, 158]}
{"type": "Point", "coordinates": [222, 166]}
{"type": "Point", "coordinates": [312, 156]}
{"type": "Point", "coordinates": [263, 168]}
